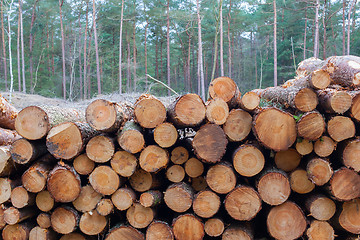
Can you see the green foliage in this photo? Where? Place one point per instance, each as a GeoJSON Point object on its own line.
{"type": "Point", "coordinates": [250, 31]}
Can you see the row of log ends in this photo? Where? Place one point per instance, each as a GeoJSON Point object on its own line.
{"type": "Point", "coordinates": [280, 162]}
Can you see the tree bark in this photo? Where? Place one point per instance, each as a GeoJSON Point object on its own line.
{"type": "Point", "coordinates": [61, 2]}
{"type": "Point", "coordinates": [96, 51]}
{"type": "Point", "coordinates": [85, 52]}
{"type": "Point", "coordinates": [200, 59]}
{"type": "Point", "coordinates": [275, 45]}
{"type": "Point", "coordinates": [348, 27]}
{"type": "Point", "coordinates": [120, 46]}
{"type": "Point", "coordinates": [31, 39]}
{"type": "Point", "coordinates": [316, 38]}
{"type": "Point", "coordinates": [168, 44]}
{"type": "Point", "coordinates": [3, 45]}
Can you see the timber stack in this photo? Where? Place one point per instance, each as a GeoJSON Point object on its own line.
{"type": "Point", "coordinates": [281, 162]}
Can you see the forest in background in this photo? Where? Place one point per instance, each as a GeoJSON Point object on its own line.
{"type": "Point", "coordinates": [78, 49]}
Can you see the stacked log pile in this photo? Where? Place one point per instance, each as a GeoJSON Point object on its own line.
{"type": "Point", "coordinates": [281, 162]}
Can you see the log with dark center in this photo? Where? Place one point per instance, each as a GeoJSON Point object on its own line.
{"type": "Point", "coordinates": [210, 143]}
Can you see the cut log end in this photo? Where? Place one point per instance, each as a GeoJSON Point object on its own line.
{"type": "Point", "coordinates": [153, 158]}
{"type": "Point", "coordinates": [217, 111]}
{"type": "Point", "coordinates": [22, 151]}
{"type": "Point", "coordinates": [149, 111]}
{"type": "Point", "coordinates": [321, 207]}
{"type": "Point", "coordinates": [87, 200]}
{"type": "Point", "coordinates": [243, 203]}
{"type": "Point", "coordinates": [324, 146]}
{"type": "Point", "coordinates": [214, 227]}
{"type": "Point", "coordinates": [300, 183]}
{"type": "Point", "coordinates": [345, 184]}
{"type": "Point", "coordinates": [319, 171]}
{"type": "Point", "coordinates": [102, 115]}
{"type": "Point", "coordinates": [349, 218]}
{"type": "Point", "coordinates": [320, 230]}
{"type": "Point", "coordinates": [104, 207]}
{"type": "Point", "coordinates": [124, 163]}
{"type": "Point", "coordinates": [123, 198]}
{"type": "Point", "coordinates": [238, 125]}
{"type": "Point", "coordinates": [179, 197]}
{"type": "Point", "coordinates": [206, 204]}
{"type": "Point", "coordinates": [175, 173]}
{"type": "Point", "coordinates": [188, 227]}
{"type": "Point", "coordinates": [92, 223]}
{"type": "Point", "coordinates": [64, 184]}
{"type": "Point", "coordinates": [351, 154]}
{"type": "Point", "coordinates": [320, 79]}
{"type": "Point", "coordinates": [83, 164]}
{"type": "Point", "coordinates": [274, 188]}
{"type": "Point", "coordinates": [304, 147]}
{"type": "Point", "coordinates": [306, 100]}
{"type": "Point", "coordinates": [139, 216]}
{"type": "Point", "coordinates": [141, 180]}
{"type": "Point", "coordinates": [64, 220]}
{"type": "Point", "coordinates": [5, 190]}
{"type": "Point", "coordinates": [64, 141]}
{"type": "Point", "coordinates": [233, 233]}
{"type": "Point", "coordinates": [165, 135]}
{"type": "Point", "coordinates": [275, 129]}
{"type": "Point", "coordinates": [100, 149]}
{"type": "Point", "coordinates": [226, 89]}
{"type": "Point", "coordinates": [179, 155]}
{"type": "Point", "coordinates": [248, 160]}
{"type": "Point", "coordinates": [44, 201]}
{"type": "Point", "coordinates": [131, 140]}
{"type": "Point", "coordinates": [124, 233]}
{"type": "Point", "coordinates": [221, 178]}
{"type": "Point", "coordinates": [20, 197]}
{"type": "Point", "coordinates": [250, 101]}
{"type": "Point", "coordinates": [44, 220]}
{"type": "Point", "coordinates": [194, 168]}
{"type": "Point", "coordinates": [32, 123]}
{"type": "Point", "coordinates": [210, 143]}
{"type": "Point", "coordinates": [287, 160]}
{"type": "Point", "coordinates": [341, 128]}
{"type": "Point", "coordinates": [104, 180]}
{"type": "Point", "coordinates": [151, 198]}
{"type": "Point", "coordinates": [311, 126]}
{"type": "Point", "coordinates": [187, 111]}
{"type": "Point", "coordinates": [158, 230]}
{"type": "Point", "coordinates": [286, 221]}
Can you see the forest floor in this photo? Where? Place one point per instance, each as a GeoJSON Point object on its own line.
{"type": "Point", "coordinates": [21, 100]}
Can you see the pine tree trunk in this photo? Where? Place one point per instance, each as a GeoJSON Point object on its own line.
{"type": "Point", "coordinates": [120, 46]}
{"type": "Point", "coordinates": [61, 2]}
{"type": "Point", "coordinates": [18, 51]}
{"type": "Point", "coordinates": [22, 47]}
{"type": "Point", "coordinates": [316, 39]}
{"type": "Point", "coordinates": [85, 52]}
{"type": "Point", "coordinates": [31, 39]}
{"type": "Point", "coordinates": [200, 50]}
{"type": "Point", "coordinates": [275, 44]}
{"type": "Point", "coordinates": [343, 28]}
{"type": "Point", "coordinates": [168, 45]}
{"type": "Point", "coordinates": [3, 44]}
{"type": "Point", "coordinates": [96, 51]}
{"type": "Point", "coordinates": [221, 29]}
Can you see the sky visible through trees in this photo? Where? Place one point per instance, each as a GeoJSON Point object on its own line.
{"type": "Point", "coordinates": [78, 49]}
